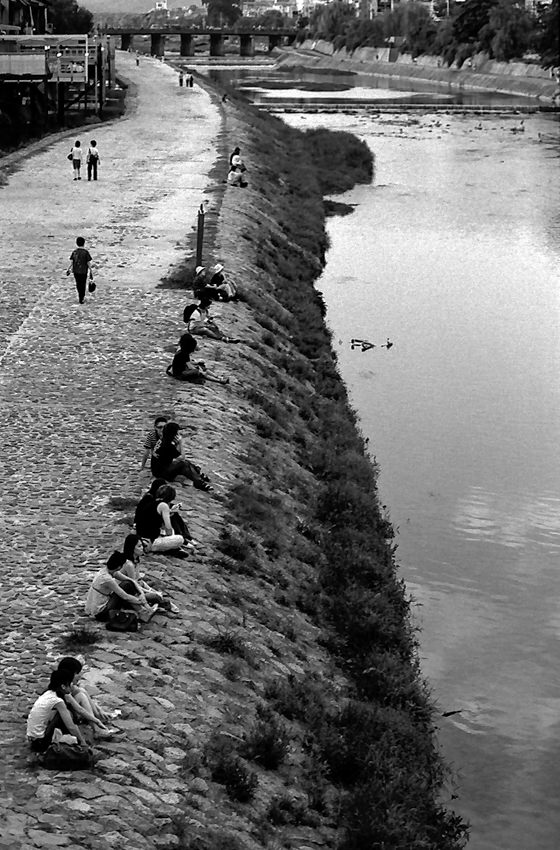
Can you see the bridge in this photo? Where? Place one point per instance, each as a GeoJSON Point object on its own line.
{"type": "Point", "coordinates": [216, 35]}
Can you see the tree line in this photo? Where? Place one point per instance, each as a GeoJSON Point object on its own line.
{"type": "Point", "coordinates": [503, 29]}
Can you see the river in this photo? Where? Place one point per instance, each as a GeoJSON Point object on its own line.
{"type": "Point", "coordinates": [454, 255]}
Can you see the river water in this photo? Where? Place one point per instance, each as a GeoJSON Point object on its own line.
{"type": "Point", "coordinates": [454, 254]}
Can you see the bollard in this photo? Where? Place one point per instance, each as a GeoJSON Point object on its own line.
{"type": "Point", "coordinates": [199, 235]}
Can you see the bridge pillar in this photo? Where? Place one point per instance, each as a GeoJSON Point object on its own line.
{"type": "Point", "coordinates": [187, 45]}
{"type": "Point", "coordinates": [274, 41]}
{"type": "Point", "coordinates": [216, 44]}
{"type": "Point", "coordinates": [246, 45]}
{"type": "Point", "coordinates": [126, 41]}
{"type": "Point", "coordinates": [158, 45]}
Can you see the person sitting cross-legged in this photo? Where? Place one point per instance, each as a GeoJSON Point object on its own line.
{"type": "Point", "coordinates": [50, 712]}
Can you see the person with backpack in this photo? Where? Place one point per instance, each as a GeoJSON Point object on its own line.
{"type": "Point", "coordinates": [50, 712]}
{"type": "Point", "coordinates": [80, 266]}
{"type": "Point", "coordinates": [198, 321]}
{"type": "Point", "coordinates": [92, 160]}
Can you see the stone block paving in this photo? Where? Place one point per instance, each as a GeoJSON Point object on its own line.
{"type": "Point", "coordinates": [78, 387]}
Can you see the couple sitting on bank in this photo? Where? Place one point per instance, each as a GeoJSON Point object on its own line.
{"type": "Point", "coordinates": [117, 586]}
{"type": "Point", "coordinates": [214, 285]}
{"type": "Point", "coordinates": [63, 708]}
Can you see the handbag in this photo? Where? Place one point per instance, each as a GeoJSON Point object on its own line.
{"type": "Point", "coordinates": [61, 756]}
{"type": "Point", "coordinates": [122, 621]}
{"type": "Point", "coordinates": [92, 286]}
{"type": "Point", "coordinates": [70, 157]}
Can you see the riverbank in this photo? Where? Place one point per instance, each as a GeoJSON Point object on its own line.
{"type": "Point", "coordinates": [241, 713]}
{"type": "Point", "coordinates": [502, 78]}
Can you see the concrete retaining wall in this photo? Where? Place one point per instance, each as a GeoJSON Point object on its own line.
{"type": "Point", "coordinates": [514, 78]}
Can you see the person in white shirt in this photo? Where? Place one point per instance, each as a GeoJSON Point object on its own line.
{"type": "Point", "coordinates": [50, 712]}
{"type": "Point", "coordinates": [77, 155]}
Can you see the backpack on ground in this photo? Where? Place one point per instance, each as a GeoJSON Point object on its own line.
{"type": "Point", "coordinates": [188, 311]}
{"type": "Point", "coordinates": [61, 756]}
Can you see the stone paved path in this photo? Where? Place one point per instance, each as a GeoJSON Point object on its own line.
{"type": "Point", "coordinates": [78, 387]}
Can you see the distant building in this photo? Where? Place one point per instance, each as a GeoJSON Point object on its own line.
{"type": "Point", "coordinates": [256, 8]}
{"type": "Point", "coordinates": [23, 17]}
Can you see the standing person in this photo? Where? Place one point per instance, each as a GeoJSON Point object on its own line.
{"type": "Point", "coordinates": [181, 79]}
{"type": "Point", "coordinates": [92, 160]}
{"type": "Point", "coordinates": [80, 265]}
{"type": "Point", "coordinates": [49, 712]}
{"type": "Point", "coordinates": [137, 58]}
{"type": "Point", "coordinates": [77, 155]}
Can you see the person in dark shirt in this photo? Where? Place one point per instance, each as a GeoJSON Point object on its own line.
{"type": "Point", "coordinates": [80, 265]}
{"type": "Point", "coordinates": [168, 460]}
{"type": "Point", "coordinates": [184, 369]}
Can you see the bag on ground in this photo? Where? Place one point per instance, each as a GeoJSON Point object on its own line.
{"type": "Point", "coordinates": [61, 756]}
{"type": "Point", "coordinates": [122, 621]}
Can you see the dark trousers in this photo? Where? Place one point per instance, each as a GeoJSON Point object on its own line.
{"type": "Point", "coordinates": [81, 280]}
{"type": "Point", "coordinates": [180, 467]}
{"type": "Point", "coordinates": [92, 169]}
{"type": "Point", "coordinates": [116, 602]}
{"type": "Point", "coordinates": [179, 526]}
{"type": "Point", "coordinates": [39, 745]}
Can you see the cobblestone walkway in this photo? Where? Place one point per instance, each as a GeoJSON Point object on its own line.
{"type": "Point", "coordinates": [78, 387]}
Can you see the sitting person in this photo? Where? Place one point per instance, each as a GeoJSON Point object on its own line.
{"type": "Point", "coordinates": [50, 712]}
{"type": "Point", "coordinates": [110, 590]}
{"type": "Point", "coordinates": [79, 701]}
{"type": "Point", "coordinates": [153, 524]}
{"type": "Point", "coordinates": [200, 323]}
{"type": "Point", "coordinates": [169, 461]}
{"type": "Point", "coordinates": [177, 521]}
{"type": "Point", "coordinates": [235, 177]}
{"type": "Point", "coordinates": [199, 281]}
{"type": "Point", "coordinates": [133, 548]}
{"type": "Point", "coordinates": [152, 438]}
{"type": "Point", "coordinates": [220, 288]}
{"type": "Point", "coordinates": [184, 369]}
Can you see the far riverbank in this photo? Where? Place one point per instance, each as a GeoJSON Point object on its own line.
{"type": "Point", "coordinates": [514, 78]}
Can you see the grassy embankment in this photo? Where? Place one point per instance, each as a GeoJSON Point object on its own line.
{"type": "Point", "coordinates": [307, 519]}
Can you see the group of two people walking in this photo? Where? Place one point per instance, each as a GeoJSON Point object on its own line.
{"type": "Point", "coordinates": [92, 159]}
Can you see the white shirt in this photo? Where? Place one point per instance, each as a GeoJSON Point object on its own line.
{"type": "Point", "coordinates": [77, 153]}
{"type": "Point", "coordinates": [41, 713]}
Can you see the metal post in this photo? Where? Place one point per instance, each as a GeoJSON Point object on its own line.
{"type": "Point", "coordinates": [199, 235]}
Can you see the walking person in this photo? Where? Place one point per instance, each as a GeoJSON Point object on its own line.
{"type": "Point", "coordinates": [80, 266]}
{"type": "Point", "coordinates": [77, 155]}
{"type": "Point", "coordinates": [181, 79]}
{"type": "Point", "coordinates": [92, 160]}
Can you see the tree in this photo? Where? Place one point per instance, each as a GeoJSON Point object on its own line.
{"type": "Point", "coordinates": [513, 27]}
{"type": "Point", "coordinates": [332, 20]}
{"type": "Point", "coordinates": [547, 38]}
{"type": "Point", "coordinates": [67, 17]}
{"type": "Point", "coordinates": [474, 15]}
{"type": "Point", "coordinates": [222, 12]}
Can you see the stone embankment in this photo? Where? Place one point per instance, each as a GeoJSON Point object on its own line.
{"type": "Point", "coordinates": [501, 77]}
